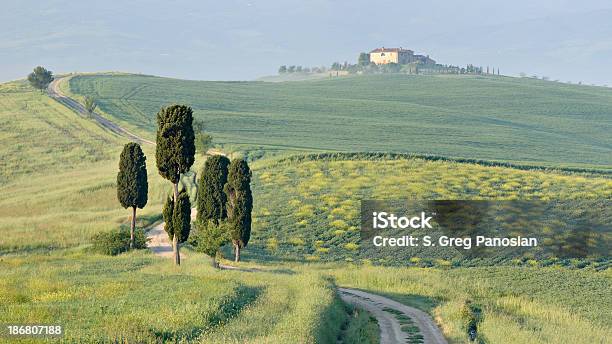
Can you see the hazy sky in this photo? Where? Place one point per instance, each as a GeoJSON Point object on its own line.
{"type": "Point", "coordinates": [245, 39]}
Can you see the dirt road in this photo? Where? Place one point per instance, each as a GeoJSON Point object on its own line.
{"type": "Point", "coordinates": [55, 92]}
{"type": "Point", "coordinates": [390, 326]}
{"type": "Point", "coordinates": [159, 243]}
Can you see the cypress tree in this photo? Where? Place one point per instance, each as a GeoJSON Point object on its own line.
{"type": "Point", "coordinates": [239, 204]}
{"type": "Point", "coordinates": [177, 217]}
{"type": "Point", "coordinates": [181, 217]}
{"type": "Point", "coordinates": [210, 196]}
{"type": "Point", "coordinates": [168, 214]}
{"type": "Point", "coordinates": [175, 150]}
{"type": "Point", "coordinates": [132, 184]}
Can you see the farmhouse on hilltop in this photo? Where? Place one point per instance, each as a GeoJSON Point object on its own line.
{"type": "Point", "coordinates": [397, 55]}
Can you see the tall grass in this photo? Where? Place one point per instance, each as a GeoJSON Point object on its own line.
{"type": "Point", "coordinates": [137, 297]}
{"type": "Point", "coordinates": [40, 136]}
{"type": "Point", "coordinates": [67, 207]}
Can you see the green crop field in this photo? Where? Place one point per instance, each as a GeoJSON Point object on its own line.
{"type": "Point", "coordinates": [492, 118]}
{"type": "Point", "coordinates": [58, 188]}
{"type": "Point", "coordinates": [309, 207]}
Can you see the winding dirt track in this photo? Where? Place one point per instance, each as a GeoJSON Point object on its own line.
{"type": "Point", "coordinates": [55, 92]}
{"type": "Point", "coordinates": [390, 327]}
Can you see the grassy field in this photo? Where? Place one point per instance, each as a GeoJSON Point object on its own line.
{"type": "Point", "coordinates": [492, 118]}
{"type": "Point", "coordinates": [41, 137]}
{"type": "Point", "coordinates": [58, 175]}
{"type": "Point", "coordinates": [309, 208]}
{"type": "Point", "coordinates": [55, 196]}
{"type": "Point", "coordinates": [140, 298]}
{"type": "Point", "coordinates": [58, 178]}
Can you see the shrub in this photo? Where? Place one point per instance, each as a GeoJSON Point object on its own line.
{"type": "Point", "coordinates": [114, 242]}
{"type": "Point", "coordinates": [472, 316]}
{"type": "Point", "coordinates": [351, 246]}
{"type": "Point", "coordinates": [209, 237]}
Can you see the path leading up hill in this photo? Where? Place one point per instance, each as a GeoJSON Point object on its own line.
{"type": "Point", "coordinates": [55, 92]}
{"type": "Point", "coordinates": [390, 326]}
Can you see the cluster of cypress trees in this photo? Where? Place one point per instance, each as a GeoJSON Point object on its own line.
{"type": "Point", "coordinates": [224, 204]}
{"type": "Point", "coordinates": [224, 198]}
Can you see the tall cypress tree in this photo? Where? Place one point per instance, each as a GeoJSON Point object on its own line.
{"type": "Point", "coordinates": [239, 204]}
{"type": "Point", "coordinates": [175, 151]}
{"type": "Point", "coordinates": [210, 198]}
{"type": "Point", "coordinates": [132, 184]}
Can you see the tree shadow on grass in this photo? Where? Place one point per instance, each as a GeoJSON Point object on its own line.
{"type": "Point", "coordinates": [282, 271]}
{"type": "Point", "coordinates": [228, 309]}
{"type": "Point", "coordinates": [424, 303]}
{"type": "Point", "coordinates": [254, 253]}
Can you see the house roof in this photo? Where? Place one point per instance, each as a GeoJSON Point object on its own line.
{"type": "Point", "coordinates": [390, 50]}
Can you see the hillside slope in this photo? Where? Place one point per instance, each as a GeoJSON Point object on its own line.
{"type": "Point", "coordinates": [58, 172]}
{"type": "Point", "coordinates": [40, 136]}
{"type": "Point", "coordinates": [493, 118]}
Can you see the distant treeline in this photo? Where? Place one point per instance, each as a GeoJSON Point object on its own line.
{"type": "Point", "coordinates": [300, 69]}
{"type": "Point", "coordinates": [389, 68]}
{"type": "Point", "coordinates": [364, 66]}
{"type": "Point", "coordinates": [375, 156]}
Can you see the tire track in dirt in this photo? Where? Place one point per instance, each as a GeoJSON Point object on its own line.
{"type": "Point", "coordinates": [390, 326]}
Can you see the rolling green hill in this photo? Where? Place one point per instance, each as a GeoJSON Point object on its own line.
{"type": "Point", "coordinates": [58, 189]}
{"type": "Point", "coordinates": [492, 118]}
{"type": "Point", "coordinates": [40, 136]}
{"type": "Point", "coordinates": [58, 174]}
{"type": "Point", "coordinates": [140, 298]}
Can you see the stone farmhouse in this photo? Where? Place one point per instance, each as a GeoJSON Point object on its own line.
{"type": "Point", "coordinates": [397, 55]}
